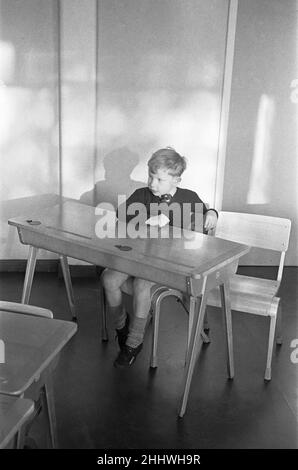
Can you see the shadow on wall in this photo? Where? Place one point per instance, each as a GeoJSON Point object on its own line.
{"type": "Point", "coordinates": [118, 166]}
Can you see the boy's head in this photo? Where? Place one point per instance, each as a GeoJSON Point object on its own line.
{"type": "Point", "coordinates": [164, 170]}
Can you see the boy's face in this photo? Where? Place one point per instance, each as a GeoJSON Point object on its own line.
{"type": "Point", "coordinates": [162, 182]}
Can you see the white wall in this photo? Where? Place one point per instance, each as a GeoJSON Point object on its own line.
{"type": "Point", "coordinates": [28, 112]}
{"type": "Point", "coordinates": [78, 100]}
{"type": "Point", "coordinates": [159, 77]}
{"type": "Point", "coordinates": [261, 165]}
{"type": "Point", "coordinates": [134, 78]}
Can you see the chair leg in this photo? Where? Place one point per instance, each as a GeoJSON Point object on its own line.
{"type": "Point", "coordinates": [273, 317]}
{"type": "Point", "coordinates": [206, 323]}
{"type": "Point", "coordinates": [68, 285]}
{"type": "Point", "coordinates": [205, 337]}
{"type": "Point", "coordinates": [159, 295]}
{"type": "Point", "coordinates": [155, 305]}
{"type": "Point", "coordinates": [226, 305]}
{"type": "Point", "coordinates": [156, 300]}
{"type": "Point", "coordinates": [279, 325]}
{"type": "Point", "coordinates": [155, 318]}
{"type": "Point", "coordinates": [205, 330]}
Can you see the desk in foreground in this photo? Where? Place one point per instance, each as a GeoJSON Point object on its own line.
{"type": "Point", "coordinates": [14, 413]}
{"type": "Point", "coordinates": [31, 346]}
{"type": "Point", "coordinates": [188, 261]}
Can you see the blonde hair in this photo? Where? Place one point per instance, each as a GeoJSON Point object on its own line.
{"type": "Point", "coordinates": [168, 159]}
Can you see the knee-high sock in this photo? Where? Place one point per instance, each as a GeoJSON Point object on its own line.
{"type": "Point", "coordinates": [118, 314]}
{"type": "Point", "coordinates": [136, 332]}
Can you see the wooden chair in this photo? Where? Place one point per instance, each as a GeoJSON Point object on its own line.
{"type": "Point", "coordinates": [255, 295]}
{"type": "Point", "coordinates": [14, 414]}
{"type": "Point", "coordinates": [158, 294]}
{"type": "Point", "coordinates": [25, 309]}
{"type": "Point", "coordinates": [42, 395]}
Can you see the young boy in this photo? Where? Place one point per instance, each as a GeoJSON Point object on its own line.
{"type": "Point", "coordinates": [165, 169]}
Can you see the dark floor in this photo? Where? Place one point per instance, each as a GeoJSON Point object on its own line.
{"type": "Point", "coordinates": [100, 407]}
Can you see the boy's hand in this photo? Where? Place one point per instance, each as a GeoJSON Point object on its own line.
{"type": "Point", "coordinates": [211, 220]}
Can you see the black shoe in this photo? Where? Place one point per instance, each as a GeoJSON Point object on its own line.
{"type": "Point", "coordinates": [122, 333]}
{"type": "Point", "coordinates": [206, 326]}
{"type": "Point", "coordinates": [127, 356]}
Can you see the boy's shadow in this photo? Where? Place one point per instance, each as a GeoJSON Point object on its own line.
{"type": "Point", "coordinates": [118, 166]}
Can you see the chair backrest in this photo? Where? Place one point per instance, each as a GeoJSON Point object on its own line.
{"type": "Point", "coordinates": [260, 231]}
{"type": "Point", "coordinates": [25, 309]}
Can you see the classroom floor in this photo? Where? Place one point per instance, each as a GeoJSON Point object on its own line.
{"type": "Point", "coordinates": [101, 407]}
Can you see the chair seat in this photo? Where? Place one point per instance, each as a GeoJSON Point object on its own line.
{"type": "Point", "coordinates": [248, 294]}
{"type": "Point", "coordinates": [254, 285]}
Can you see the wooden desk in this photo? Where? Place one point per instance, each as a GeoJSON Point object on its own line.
{"type": "Point", "coordinates": [14, 413]}
{"type": "Point", "coordinates": [194, 263]}
{"type": "Point", "coordinates": [31, 345]}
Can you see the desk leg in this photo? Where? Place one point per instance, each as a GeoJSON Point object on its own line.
{"type": "Point", "coordinates": [103, 306]}
{"type": "Point", "coordinates": [29, 274]}
{"type": "Point", "coordinates": [225, 302]}
{"type": "Point", "coordinates": [196, 312]}
{"type": "Point", "coordinates": [68, 285]}
{"type": "Point", "coordinates": [190, 312]}
{"type": "Point", "coordinates": [20, 438]}
{"type": "Point", "coordinates": [48, 405]}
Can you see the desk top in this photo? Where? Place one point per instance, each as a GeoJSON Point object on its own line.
{"type": "Point", "coordinates": [31, 343]}
{"type": "Point", "coordinates": [75, 230]}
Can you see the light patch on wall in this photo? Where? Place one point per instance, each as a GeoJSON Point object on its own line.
{"type": "Point", "coordinates": [26, 121]}
{"type": "Point", "coordinates": [259, 183]}
{"type": "Point", "coordinates": [7, 114]}
{"type": "Point", "coordinates": [7, 62]}
{"type": "Point", "coordinates": [7, 108]}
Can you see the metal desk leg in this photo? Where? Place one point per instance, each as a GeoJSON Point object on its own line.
{"type": "Point", "coordinates": [197, 321]}
{"type": "Point", "coordinates": [49, 408]}
{"type": "Point", "coordinates": [68, 285]}
{"type": "Point", "coordinates": [225, 302]}
{"type": "Point", "coordinates": [192, 311]}
{"type": "Point", "coordinates": [20, 438]}
{"type": "Point", "coordinates": [103, 305]}
{"type": "Point", "coordinates": [205, 337]}
{"type": "Point", "coordinates": [29, 274]}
